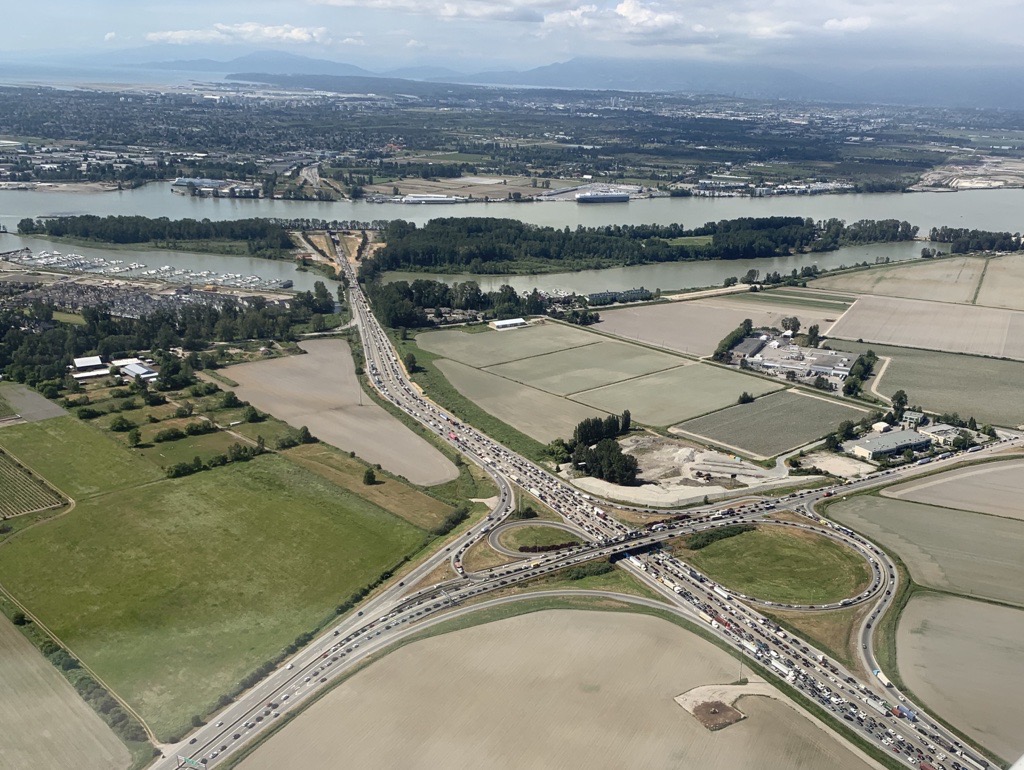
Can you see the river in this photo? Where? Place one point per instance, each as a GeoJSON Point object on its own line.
{"type": "Point", "coordinates": [981, 209]}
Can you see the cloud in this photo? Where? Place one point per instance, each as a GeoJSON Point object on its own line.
{"type": "Point", "coordinates": [415, 44]}
{"type": "Point", "coordinates": [244, 32]}
{"type": "Point", "coordinates": [353, 41]}
{"type": "Point", "coordinates": [531, 11]}
{"type": "Point", "coordinates": [849, 24]}
{"type": "Point", "coordinates": [109, 36]}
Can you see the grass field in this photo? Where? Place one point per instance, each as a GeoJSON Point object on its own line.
{"type": "Point", "coordinates": [993, 488]}
{"type": "Point", "coordinates": [832, 631]}
{"type": "Point", "coordinates": [541, 416]}
{"type": "Point", "coordinates": [539, 535]}
{"type": "Point", "coordinates": [689, 240]}
{"type": "Point", "coordinates": [46, 724]}
{"type": "Point", "coordinates": [784, 565]}
{"type": "Point", "coordinates": [941, 326]}
{"type": "Point", "coordinates": [987, 388]}
{"type": "Point", "coordinates": [495, 347]}
{"type": "Point", "coordinates": [173, 591]}
{"type": "Point", "coordinates": [674, 395]}
{"type": "Point", "coordinates": [22, 492]}
{"type": "Point", "coordinates": [936, 635]}
{"type": "Point", "coordinates": [607, 680]}
{"type": "Point", "coordinates": [967, 553]}
{"type": "Point", "coordinates": [5, 408]}
{"type": "Point", "coordinates": [772, 424]}
{"type": "Point", "coordinates": [585, 367]}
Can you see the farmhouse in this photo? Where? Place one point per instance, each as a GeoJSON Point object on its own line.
{"type": "Point", "coordinates": [877, 445]}
{"type": "Point", "coordinates": [508, 323]}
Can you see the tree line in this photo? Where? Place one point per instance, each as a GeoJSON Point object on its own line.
{"type": "Point", "coordinates": [963, 240]}
{"type": "Point", "coordinates": [594, 451]}
{"type": "Point", "coordinates": [490, 245]}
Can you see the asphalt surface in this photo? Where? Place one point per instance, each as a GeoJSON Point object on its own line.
{"type": "Point", "coordinates": [393, 614]}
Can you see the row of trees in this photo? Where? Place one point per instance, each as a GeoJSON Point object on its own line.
{"type": "Point", "coordinates": [963, 240]}
{"type": "Point", "coordinates": [489, 245]}
{"type": "Point", "coordinates": [594, 451]}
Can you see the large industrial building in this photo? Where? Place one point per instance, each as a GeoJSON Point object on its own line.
{"type": "Point", "coordinates": [877, 445]}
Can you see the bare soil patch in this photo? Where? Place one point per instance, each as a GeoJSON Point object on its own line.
{"type": "Point", "coordinates": [320, 390]}
{"type": "Point", "coordinates": [936, 636]}
{"type": "Point", "coordinates": [608, 681]}
{"type": "Point", "coordinates": [994, 488]}
{"type": "Point", "coordinates": [1003, 285]}
{"type": "Point", "coordinates": [45, 722]}
{"type": "Point", "coordinates": [934, 326]}
{"type": "Point", "coordinates": [715, 715]}
{"type": "Point", "coordinates": [837, 465]}
{"type": "Point", "coordinates": [953, 279]}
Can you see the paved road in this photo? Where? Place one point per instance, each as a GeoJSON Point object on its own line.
{"type": "Point", "coordinates": [393, 613]}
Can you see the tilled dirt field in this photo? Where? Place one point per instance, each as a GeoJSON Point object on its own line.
{"type": "Point", "coordinates": [320, 390]}
{"type": "Point", "coordinates": [994, 488]}
{"type": "Point", "coordinates": [552, 689]}
{"type": "Point", "coordinates": [962, 658]}
{"type": "Point", "coordinates": [45, 722]}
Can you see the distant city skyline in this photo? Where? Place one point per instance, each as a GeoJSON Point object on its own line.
{"type": "Point", "coordinates": [477, 35]}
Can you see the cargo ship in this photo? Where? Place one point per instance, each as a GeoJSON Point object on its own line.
{"type": "Point", "coordinates": [602, 196]}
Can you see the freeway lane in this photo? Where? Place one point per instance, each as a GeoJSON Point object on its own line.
{"type": "Point", "coordinates": [388, 617]}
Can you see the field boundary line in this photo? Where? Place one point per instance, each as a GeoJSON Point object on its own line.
{"type": "Point", "coordinates": [528, 358]}
{"type": "Point", "coordinates": [803, 392]}
{"type": "Point", "coordinates": [981, 282]}
{"type": "Point", "coordinates": [828, 331]}
{"type": "Point", "coordinates": [620, 382]}
{"type": "Point", "coordinates": [85, 666]}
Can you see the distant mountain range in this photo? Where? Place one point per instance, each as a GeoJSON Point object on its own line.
{"type": "Point", "coordinates": [953, 86]}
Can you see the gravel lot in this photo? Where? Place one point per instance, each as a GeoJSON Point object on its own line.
{"type": "Point", "coordinates": [556, 689]}
{"type": "Point", "coordinates": [936, 635]}
{"type": "Point", "coordinates": [46, 724]}
{"type": "Point", "coordinates": [320, 390]}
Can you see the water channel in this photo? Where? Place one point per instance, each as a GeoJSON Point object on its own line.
{"type": "Point", "coordinates": [981, 209]}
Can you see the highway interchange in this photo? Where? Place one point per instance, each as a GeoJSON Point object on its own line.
{"type": "Point", "coordinates": [394, 613]}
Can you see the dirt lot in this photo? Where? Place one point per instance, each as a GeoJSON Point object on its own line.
{"type": "Point", "coordinates": [957, 551]}
{"type": "Point", "coordinates": [586, 367]}
{"type": "Point", "coordinates": [934, 326]}
{"type": "Point", "coordinates": [695, 327]}
{"type": "Point", "coordinates": [987, 388]}
{"type": "Point", "coordinates": [494, 347]}
{"type": "Point", "coordinates": [320, 390]}
{"type": "Point", "coordinates": [773, 424]}
{"type": "Point", "coordinates": [494, 188]}
{"type": "Point", "coordinates": [995, 488]}
{"type": "Point", "coordinates": [28, 404]}
{"type": "Point", "coordinates": [540, 415]}
{"type": "Point", "coordinates": [676, 394]}
{"type": "Point", "coordinates": [936, 635]}
{"type": "Point", "coordinates": [838, 465]}
{"type": "Point", "coordinates": [488, 697]}
{"type": "Point", "coordinates": [45, 722]}
{"type": "Point", "coordinates": [1004, 283]}
{"type": "Point", "coordinates": [954, 279]}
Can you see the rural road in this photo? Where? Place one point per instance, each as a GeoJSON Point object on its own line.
{"type": "Point", "coordinates": [389, 616]}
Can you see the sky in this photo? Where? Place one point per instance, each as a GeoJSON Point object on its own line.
{"type": "Point", "coordinates": [495, 34]}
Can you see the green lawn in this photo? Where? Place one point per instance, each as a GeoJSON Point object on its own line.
{"type": "Point", "coordinates": [78, 459]}
{"type": "Point", "coordinates": [689, 240]}
{"type": "Point", "coordinates": [519, 537]}
{"type": "Point", "coordinates": [5, 408]}
{"type": "Point", "coordinates": [173, 592]}
{"type": "Point", "coordinates": [783, 565]}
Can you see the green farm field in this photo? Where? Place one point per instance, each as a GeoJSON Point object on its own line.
{"type": "Point", "coordinates": [20, 491]}
{"type": "Point", "coordinates": [173, 591]}
{"type": "Point", "coordinates": [987, 388]}
{"type": "Point", "coordinates": [674, 395]}
{"type": "Point", "coordinates": [773, 424]}
{"type": "Point", "coordinates": [784, 565]}
{"type": "Point", "coordinates": [495, 347]}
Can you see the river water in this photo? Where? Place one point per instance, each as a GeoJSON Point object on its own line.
{"type": "Point", "coordinates": [982, 209]}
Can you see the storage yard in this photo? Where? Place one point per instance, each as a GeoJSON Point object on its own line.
{"type": "Point", "coordinates": [608, 680]}
{"type": "Point", "coordinates": [320, 390]}
{"type": "Point", "coordinates": [934, 326]}
{"type": "Point", "coordinates": [936, 635]}
{"type": "Point", "coordinates": [993, 488]}
{"type": "Point", "coordinates": [772, 424]}
{"type": "Point", "coordinates": [969, 553]}
{"type": "Point", "coordinates": [46, 724]}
